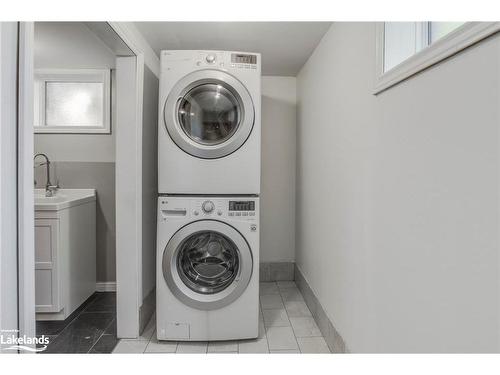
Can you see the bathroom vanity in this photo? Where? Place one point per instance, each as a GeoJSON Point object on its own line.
{"type": "Point", "coordinates": [65, 251]}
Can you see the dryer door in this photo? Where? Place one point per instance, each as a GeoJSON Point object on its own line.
{"type": "Point", "coordinates": [207, 264]}
{"type": "Point", "coordinates": [209, 114]}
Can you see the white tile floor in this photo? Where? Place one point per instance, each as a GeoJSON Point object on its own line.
{"type": "Point", "coordinates": [286, 326]}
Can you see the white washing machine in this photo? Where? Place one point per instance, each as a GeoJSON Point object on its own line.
{"type": "Point", "coordinates": [207, 268]}
{"type": "Point", "coordinates": [209, 123]}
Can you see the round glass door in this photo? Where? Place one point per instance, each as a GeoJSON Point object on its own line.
{"type": "Point", "coordinates": [207, 264]}
{"type": "Point", "coordinates": [209, 114]}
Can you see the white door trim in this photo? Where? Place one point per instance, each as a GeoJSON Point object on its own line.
{"type": "Point", "coordinates": [8, 176]}
{"type": "Point", "coordinates": [129, 193]}
{"type": "Point", "coordinates": [129, 178]}
{"type": "Point", "coordinates": [139, 46]}
{"type": "Point", "coordinates": [26, 205]}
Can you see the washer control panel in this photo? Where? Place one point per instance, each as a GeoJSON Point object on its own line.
{"type": "Point", "coordinates": [234, 209]}
{"type": "Point", "coordinates": [243, 208]}
{"type": "Point", "coordinates": [204, 208]}
{"type": "Point", "coordinates": [211, 58]}
{"type": "Point", "coordinates": [208, 208]}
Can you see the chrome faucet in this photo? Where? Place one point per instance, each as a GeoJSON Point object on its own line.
{"type": "Point", "coordinates": [50, 190]}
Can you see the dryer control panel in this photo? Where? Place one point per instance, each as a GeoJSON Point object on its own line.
{"type": "Point", "coordinates": [212, 59]}
{"type": "Point", "coordinates": [226, 60]}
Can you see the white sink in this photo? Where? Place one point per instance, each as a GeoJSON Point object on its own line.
{"type": "Point", "coordinates": [63, 198]}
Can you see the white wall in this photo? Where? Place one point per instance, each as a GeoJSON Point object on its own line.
{"type": "Point", "coordinates": [397, 197]}
{"type": "Point", "coordinates": [278, 169]}
{"type": "Point", "coordinates": [71, 45]}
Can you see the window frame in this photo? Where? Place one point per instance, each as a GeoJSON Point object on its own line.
{"type": "Point", "coordinates": [450, 44]}
{"type": "Point", "coordinates": [42, 76]}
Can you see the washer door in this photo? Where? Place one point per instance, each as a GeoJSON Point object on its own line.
{"type": "Point", "coordinates": [209, 114]}
{"type": "Point", "coordinates": [207, 264]}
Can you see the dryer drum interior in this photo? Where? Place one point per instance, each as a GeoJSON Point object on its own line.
{"type": "Point", "coordinates": [210, 113]}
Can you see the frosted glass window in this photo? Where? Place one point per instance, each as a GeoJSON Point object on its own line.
{"type": "Point", "coordinates": [74, 104]}
{"type": "Point", "coordinates": [72, 101]}
{"type": "Point", "coordinates": [440, 29]}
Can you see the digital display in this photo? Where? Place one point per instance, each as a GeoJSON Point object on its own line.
{"type": "Point", "coordinates": [243, 59]}
{"type": "Point", "coordinates": [241, 206]}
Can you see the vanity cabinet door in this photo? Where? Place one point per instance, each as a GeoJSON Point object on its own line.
{"type": "Point", "coordinates": [47, 293]}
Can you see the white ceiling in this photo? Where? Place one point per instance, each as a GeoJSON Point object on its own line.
{"type": "Point", "coordinates": [285, 46]}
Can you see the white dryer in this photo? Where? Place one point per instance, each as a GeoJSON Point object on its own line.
{"type": "Point", "coordinates": [207, 268]}
{"type": "Point", "coordinates": [209, 123]}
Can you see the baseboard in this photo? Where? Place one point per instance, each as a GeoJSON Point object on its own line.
{"type": "Point", "coordinates": [332, 336]}
{"type": "Point", "coordinates": [105, 286]}
{"type": "Point", "coordinates": [276, 271]}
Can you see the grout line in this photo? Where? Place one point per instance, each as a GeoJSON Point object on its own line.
{"type": "Point", "coordinates": [264, 337]}
{"type": "Point", "coordinates": [265, 331]}
{"type": "Point", "coordinates": [69, 323]}
{"type": "Point", "coordinates": [102, 334]}
{"type": "Point", "coordinates": [286, 312]}
{"type": "Point", "coordinates": [93, 297]}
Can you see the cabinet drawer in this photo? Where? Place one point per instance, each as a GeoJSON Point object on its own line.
{"type": "Point", "coordinates": [47, 289]}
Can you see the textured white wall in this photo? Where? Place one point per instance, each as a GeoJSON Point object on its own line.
{"type": "Point", "coordinates": [278, 169]}
{"type": "Point", "coordinates": [397, 197]}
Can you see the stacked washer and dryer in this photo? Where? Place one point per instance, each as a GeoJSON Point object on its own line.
{"type": "Point", "coordinates": [209, 186]}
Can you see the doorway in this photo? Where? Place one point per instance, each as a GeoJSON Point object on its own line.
{"type": "Point", "coordinates": [130, 67]}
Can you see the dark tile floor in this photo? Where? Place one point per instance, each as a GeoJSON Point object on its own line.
{"type": "Point", "coordinates": [90, 329]}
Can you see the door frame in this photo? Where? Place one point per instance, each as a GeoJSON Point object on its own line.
{"type": "Point", "coordinates": [26, 205]}
{"type": "Point", "coordinates": [132, 267]}
{"type": "Point", "coordinates": [9, 114]}
{"type": "Point", "coordinates": [129, 253]}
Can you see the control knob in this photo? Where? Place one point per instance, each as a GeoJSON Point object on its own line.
{"type": "Point", "coordinates": [208, 206]}
{"type": "Point", "coordinates": [210, 59]}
